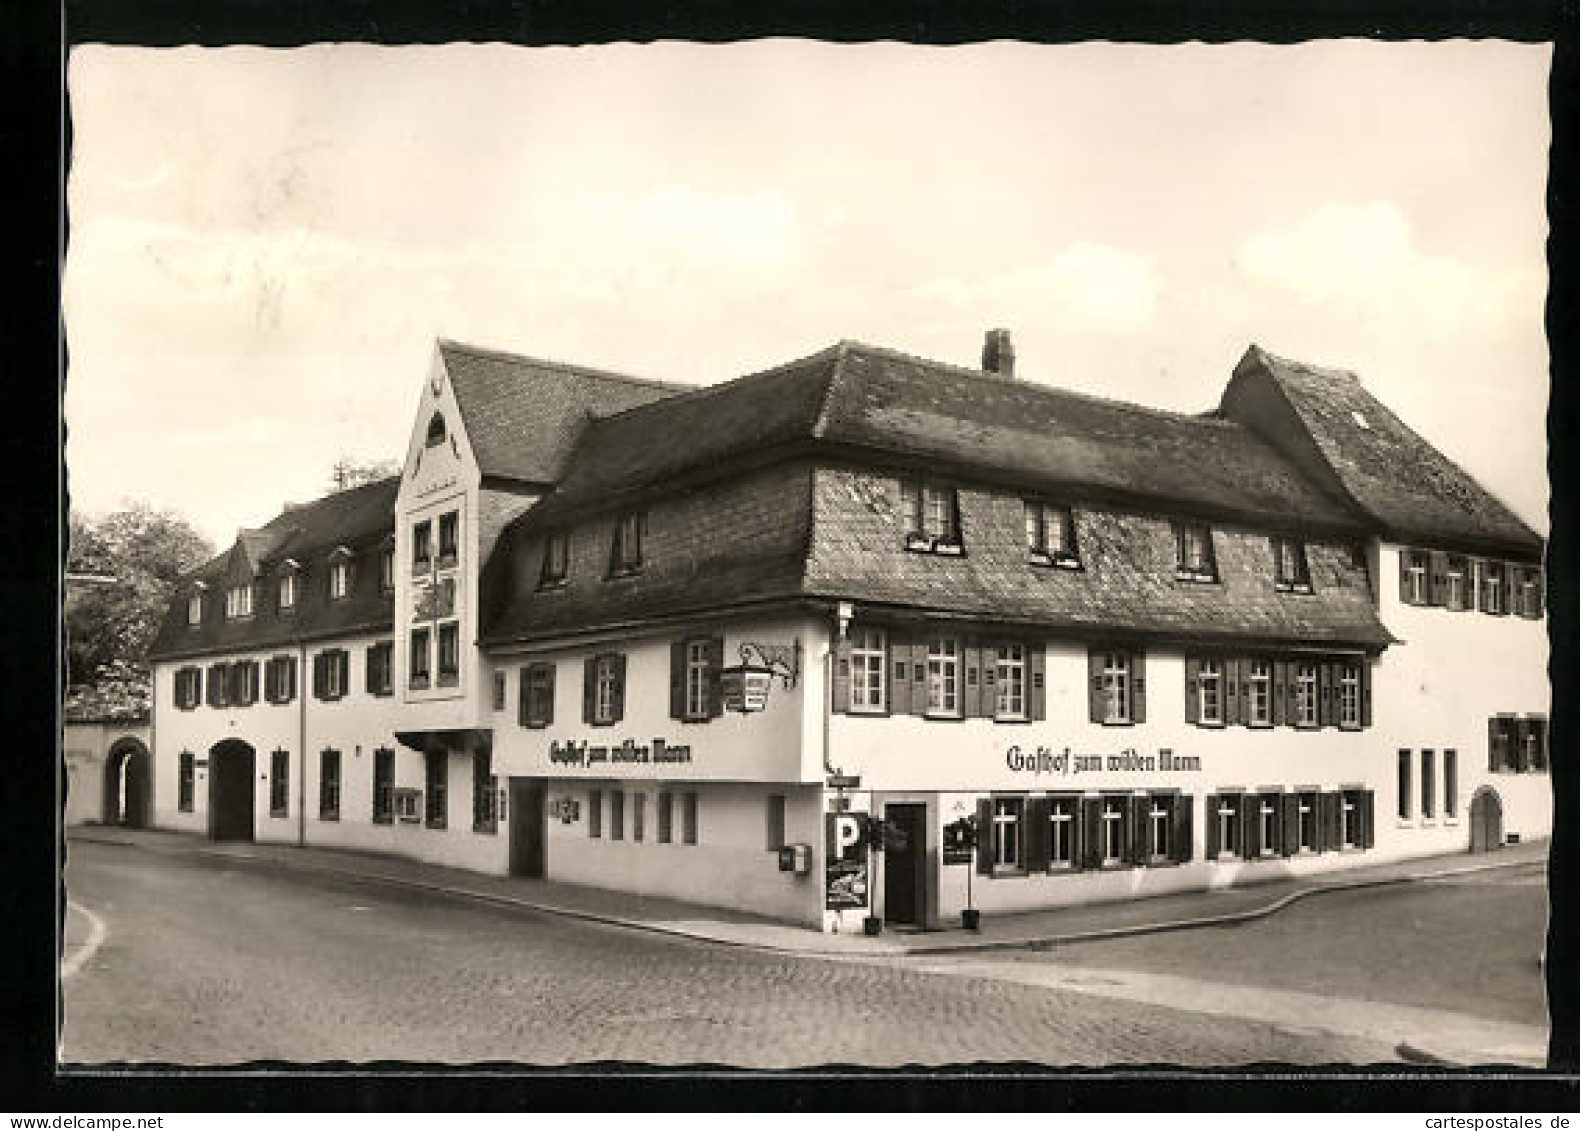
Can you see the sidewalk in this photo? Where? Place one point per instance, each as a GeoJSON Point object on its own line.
{"type": "Point", "coordinates": [673, 917]}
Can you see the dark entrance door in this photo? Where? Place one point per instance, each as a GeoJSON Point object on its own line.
{"type": "Point", "coordinates": [526, 827]}
{"type": "Point", "coordinates": [126, 785]}
{"type": "Point", "coordinates": [1486, 821]}
{"type": "Point", "coordinates": [905, 865]}
{"type": "Point", "coordinates": [232, 766]}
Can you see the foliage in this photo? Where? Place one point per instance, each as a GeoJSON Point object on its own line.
{"type": "Point", "coordinates": [136, 556]}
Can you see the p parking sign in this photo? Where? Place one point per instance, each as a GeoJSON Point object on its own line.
{"type": "Point", "coordinates": [846, 860]}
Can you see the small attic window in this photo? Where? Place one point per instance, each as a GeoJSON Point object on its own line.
{"type": "Point", "coordinates": [1360, 420]}
{"type": "Point", "coordinates": [436, 431]}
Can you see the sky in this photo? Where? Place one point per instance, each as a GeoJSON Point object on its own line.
{"type": "Point", "coordinates": [264, 244]}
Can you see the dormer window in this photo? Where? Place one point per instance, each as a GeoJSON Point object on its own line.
{"type": "Point", "coordinates": [932, 517]}
{"type": "Point", "coordinates": [339, 573]}
{"type": "Point", "coordinates": [288, 590]}
{"type": "Point", "coordinates": [436, 431]}
{"type": "Point", "coordinates": [387, 570]}
{"type": "Point", "coordinates": [1194, 559]}
{"type": "Point", "coordinates": [422, 547]}
{"type": "Point", "coordinates": [1291, 573]}
{"type": "Point", "coordinates": [555, 555]}
{"type": "Point", "coordinates": [625, 555]}
{"type": "Point", "coordinates": [1050, 535]}
{"type": "Point", "coordinates": [238, 602]}
{"type": "Point", "coordinates": [449, 539]}
{"type": "Point", "coordinates": [195, 607]}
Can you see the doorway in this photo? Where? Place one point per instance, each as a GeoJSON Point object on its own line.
{"type": "Point", "coordinates": [232, 767]}
{"type": "Point", "coordinates": [1486, 820]}
{"type": "Point", "coordinates": [905, 865]}
{"type": "Point", "coordinates": [526, 827]}
{"type": "Point", "coordinates": [126, 785]}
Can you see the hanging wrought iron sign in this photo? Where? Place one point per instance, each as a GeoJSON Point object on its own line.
{"type": "Point", "coordinates": [745, 686]}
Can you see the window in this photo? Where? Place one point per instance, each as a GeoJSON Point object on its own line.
{"type": "Point", "coordinates": [1226, 824]}
{"type": "Point", "coordinates": [387, 570]}
{"type": "Point", "coordinates": [1160, 828]}
{"type": "Point", "coordinates": [383, 785]}
{"type": "Point", "coordinates": [1450, 785]}
{"type": "Point", "coordinates": [1009, 815]}
{"type": "Point", "coordinates": [422, 547]}
{"type": "Point", "coordinates": [1115, 692]}
{"type": "Point", "coordinates": [867, 652]}
{"type": "Point", "coordinates": [932, 517]}
{"type": "Point", "coordinates": [699, 679]}
{"type": "Point", "coordinates": [688, 818]}
{"type": "Point", "coordinates": [535, 697]}
{"type": "Point", "coordinates": [617, 814]}
{"type": "Point", "coordinates": [943, 677]}
{"type": "Point", "coordinates": [1414, 566]}
{"type": "Point", "coordinates": [1350, 816]}
{"type": "Point", "coordinates": [449, 538]}
{"type": "Point", "coordinates": [331, 673]}
{"type": "Point", "coordinates": [595, 813]}
{"type": "Point", "coordinates": [484, 787]}
{"type": "Point", "coordinates": [1063, 820]}
{"type": "Point", "coordinates": [1291, 574]}
{"type": "Point", "coordinates": [1194, 560]}
{"type": "Point", "coordinates": [1405, 791]}
{"type": "Point", "coordinates": [1306, 818]}
{"type": "Point", "coordinates": [666, 817]}
{"type": "Point", "coordinates": [449, 653]}
{"type": "Point", "coordinates": [1428, 787]}
{"type": "Point", "coordinates": [774, 833]}
{"type": "Point", "coordinates": [1267, 826]}
{"type": "Point", "coordinates": [1349, 695]}
{"type": "Point", "coordinates": [1500, 743]}
{"type": "Point", "coordinates": [288, 591]}
{"type": "Point", "coordinates": [1209, 692]}
{"type": "Point", "coordinates": [1528, 593]}
{"type": "Point", "coordinates": [555, 555]}
{"type": "Point", "coordinates": [186, 787]}
{"type": "Point", "coordinates": [1010, 672]}
{"type": "Point", "coordinates": [1050, 535]}
{"type": "Point", "coordinates": [339, 578]}
{"type": "Point", "coordinates": [638, 816]}
{"type": "Point", "coordinates": [1305, 695]}
{"type": "Point", "coordinates": [1532, 734]}
{"type": "Point", "coordinates": [418, 659]}
{"type": "Point", "coordinates": [1259, 694]}
{"type": "Point", "coordinates": [188, 688]}
{"type": "Point", "coordinates": [1113, 830]}
{"type": "Point", "coordinates": [329, 785]}
{"type": "Point", "coordinates": [279, 783]}
{"type": "Point", "coordinates": [381, 668]}
{"type": "Point", "coordinates": [436, 780]}
{"type": "Point", "coordinates": [244, 683]}
{"type": "Point", "coordinates": [195, 609]}
{"type": "Point", "coordinates": [603, 692]}
{"type": "Point", "coordinates": [1456, 572]}
{"type": "Point", "coordinates": [279, 679]}
{"type": "Point", "coordinates": [1493, 594]}
{"type": "Point", "coordinates": [625, 554]}
{"type": "Point", "coordinates": [499, 691]}
{"type": "Point", "coordinates": [217, 680]}
{"type": "Point", "coordinates": [238, 602]}
{"type": "Point", "coordinates": [435, 435]}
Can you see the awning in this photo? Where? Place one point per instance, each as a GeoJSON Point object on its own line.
{"type": "Point", "coordinates": [461, 738]}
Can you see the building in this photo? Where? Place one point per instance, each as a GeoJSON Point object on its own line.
{"type": "Point", "coordinates": [871, 635]}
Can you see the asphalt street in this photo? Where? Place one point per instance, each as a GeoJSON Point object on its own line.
{"type": "Point", "coordinates": [194, 959]}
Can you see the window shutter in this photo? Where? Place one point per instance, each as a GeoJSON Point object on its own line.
{"type": "Point", "coordinates": [840, 685]}
{"type": "Point", "coordinates": [1522, 734]}
{"type": "Point", "coordinates": [343, 658]}
{"type": "Point", "coordinates": [1037, 662]}
{"type": "Point", "coordinates": [619, 687]}
{"type": "Point", "coordinates": [1539, 593]}
{"type": "Point", "coordinates": [1281, 692]}
{"type": "Point", "coordinates": [1234, 691]}
{"type": "Point", "coordinates": [1210, 815]}
{"type": "Point", "coordinates": [1192, 687]}
{"type": "Point", "coordinates": [1367, 822]}
{"type": "Point", "coordinates": [523, 688]}
{"type": "Point", "coordinates": [1250, 825]}
{"type": "Point", "coordinates": [1404, 576]}
{"type": "Point", "coordinates": [971, 699]}
{"type": "Point", "coordinates": [1330, 822]}
{"type": "Point", "coordinates": [919, 677]}
{"type": "Point", "coordinates": [899, 675]}
{"type": "Point", "coordinates": [1365, 666]}
{"type": "Point", "coordinates": [1094, 684]}
{"type": "Point", "coordinates": [1492, 745]}
{"type": "Point", "coordinates": [548, 697]}
{"type": "Point", "coordinates": [589, 688]}
{"type": "Point", "coordinates": [1140, 807]}
{"type": "Point", "coordinates": [985, 837]}
{"type": "Point", "coordinates": [1478, 576]}
{"type": "Point", "coordinates": [367, 670]}
{"type": "Point", "coordinates": [233, 684]}
{"type": "Point", "coordinates": [177, 687]}
{"type": "Point", "coordinates": [318, 676]}
{"type": "Point", "coordinates": [253, 695]}
{"type": "Point", "coordinates": [1138, 686]}
{"type": "Point", "coordinates": [1037, 834]}
{"type": "Point", "coordinates": [1289, 823]}
{"type": "Point", "coordinates": [715, 677]}
{"type": "Point", "coordinates": [290, 679]}
{"type": "Point", "coordinates": [1437, 578]}
{"type": "Point", "coordinates": [1077, 835]}
{"type": "Point", "coordinates": [1184, 835]}
{"type": "Point", "coordinates": [1325, 686]}
{"type": "Point", "coordinates": [677, 679]}
{"type": "Point", "coordinates": [1091, 831]}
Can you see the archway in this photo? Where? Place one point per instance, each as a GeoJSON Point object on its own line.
{"type": "Point", "coordinates": [1486, 820]}
{"type": "Point", "coordinates": [232, 790]}
{"type": "Point", "coordinates": [127, 791]}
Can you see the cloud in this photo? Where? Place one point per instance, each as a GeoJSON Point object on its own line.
{"type": "Point", "coordinates": [1084, 287]}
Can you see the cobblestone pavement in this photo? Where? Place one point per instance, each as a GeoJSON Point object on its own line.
{"type": "Point", "coordinates": [209, 961]}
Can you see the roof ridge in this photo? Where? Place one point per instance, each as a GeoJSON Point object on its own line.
{"type": "Point", "coordinates": [1304, 367]}
{"type": "Point", "coordinates": [694, 392]}
{"type": "Point", "coordinates": [562, 366]}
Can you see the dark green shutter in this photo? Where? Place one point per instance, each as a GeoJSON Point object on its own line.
{"type": "Point", "coordinates": [1138, 816]}
{"type": "Point", "coordinates": [1289, 823]}
{"type": "Point", "coordinates": [971, 697]}
{"type": "Point", "coordinates": [1234, 688]}
{"type": "Point", "coordinates": [715, 676]}
{"type": "Point", "coordinates": [1329, 803]}
{"type": "Point", "coordinates": [1037, 664]}
{"type": "Point", "coordinates": [1192, 689]}
{"type": "Point", "coordinates": [619, 687]}
{"type": "Point", "coordinates": [677, 679]}
{"type": "Point", "coordinates": [985, 837]}
{"type": "Point", "coordinates": [1077, 834]}
{"type": "Point", "coordinates": [841, 681]}
{"type": "Point", "coordinates": [899, 675]}
{"type": "Point", "coordinates": [1138, 686]}
{"type": "Point", "coordinates": [1210, 815]}
{"type": "Point", "coordinates": [589, 688]}
{"type": "Point", "coordinates": [1250, 825]}
{"type": "Point", "coordinates": [523, 691]}
{"type": "Point", "coordinates": [1281, 692]}
{"type": "Point", "coordinates": [1094, 684]}
{"type": "Point", "coordinates": [1037, 834]}
{"type": "Point", "coordinates": [1184, 833]}
{"type": "Point", "coordinates": [1091, 830]}
{"type": "Point", "coordinates": [1367, 815]}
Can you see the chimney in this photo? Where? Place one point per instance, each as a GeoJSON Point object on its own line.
{"type": "Point", "coordinates": [998, 354]}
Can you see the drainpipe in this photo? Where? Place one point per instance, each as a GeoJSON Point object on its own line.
{"type": "Point", "coordinates": [301, 746]}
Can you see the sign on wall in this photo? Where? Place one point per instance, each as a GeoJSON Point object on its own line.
{"type": "Point", "coordinates": [846, 855]}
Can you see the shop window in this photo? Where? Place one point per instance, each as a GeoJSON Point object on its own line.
{"type": "Point", "coordinates": [1063, 831]}
{"type": "Point", "coordinates": [1291, 573]}
{"type": "Point", "coordinates": [617, 814]}
{"type": "Point", "coordinates": [1050, 536]}
{"type": "Point", "coordinates": [418, 658]}
{"type": "Point", "coordinates": [449, 539]}
{"type": "Point", "coordinates": [1414, 566]}
{"type": "Point", "coordinates": [436, 782]}
{"type": "Point", "coordinates": [868, 648]}
{"type": "Point", "coordinates": [943, 677]}
{"type": "Point", "coordinates": [603, 689]}
{"type": "Point", "coordinates": [187, 785]}
{"type": "Point", "coordinates": [1009, 817]}
{"type": "Point", "coordinates": [932, 517]}
{"type": "Point", "coordinates": [380, 663]}
{"type": "Point", "coordinates": [688, 818]}
{"type": "Point", "coordinates": [484, 788]}
{"type": "Point", "coordinates": [555, 561]}
{"type": "Point", "coordinates": [774, 834]}
{"type": "Point", "coordinates": [279, 783]}
{"type": "Point", "coordinates": [1405, 787]}
{"type": "Point", "coordinates": [383, 785]}
{"type": "Point", "coordinates": [625, 552]}
{"type": "Point", "coordinates": [1194, 558]}
{"type": "Point", "coordinates": [1010, 678]}
{"type": "Point", "coordinates": [329, 785]}
{"type": "Point", "coordinates": [595, 813]}
{"type": "Point", "coordinates": [666, 817]}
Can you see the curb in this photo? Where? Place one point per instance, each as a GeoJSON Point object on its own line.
{"type": "Point", "coordinates": [1038, 942]}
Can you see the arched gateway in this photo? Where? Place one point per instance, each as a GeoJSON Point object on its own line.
{"type": "Point", "coordinates": [126, 784]}
{"type": "Point", "coordinates": [1486, 820]}
{"type": "Point", "coordinates": [232, 768]}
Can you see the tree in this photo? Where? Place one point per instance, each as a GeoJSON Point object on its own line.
{"type": "Point", "coordinates": [122, 572]}
{"type": "Point", "coordinates": [348, 473]}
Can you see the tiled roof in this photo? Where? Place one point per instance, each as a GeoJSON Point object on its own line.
{"type": "Point", "coordinates": [1403, 483]}
{"type": "Point", "coordinates": [523, 415]}
{"type": "Point", "coordinates": [361, 519]}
